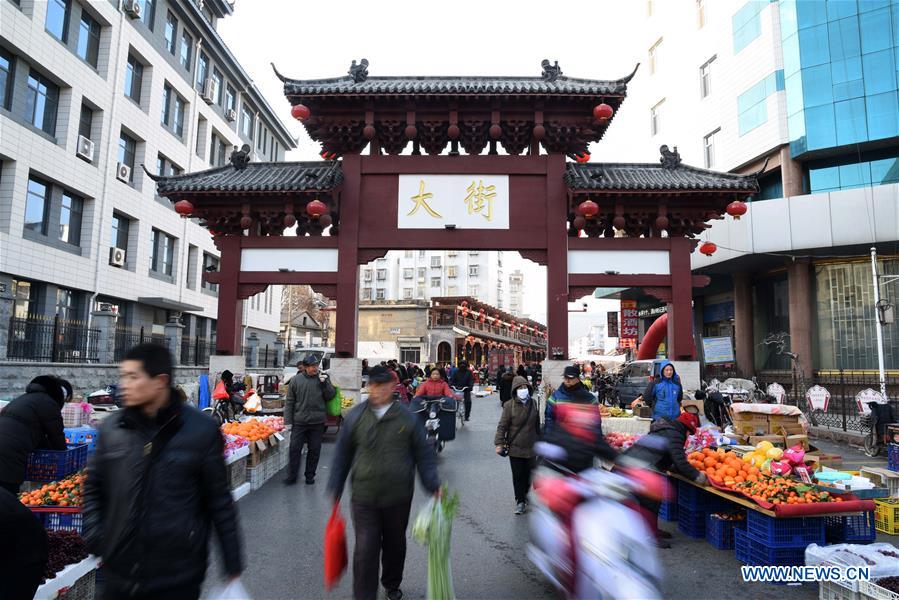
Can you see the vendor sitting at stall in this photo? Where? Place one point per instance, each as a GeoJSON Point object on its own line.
{"type": "Point", "coordinates": [434, 385]}
{"type": "Point", "coordinates": [663, 449]}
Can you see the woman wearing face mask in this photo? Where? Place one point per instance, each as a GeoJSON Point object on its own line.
{"type": "Point", "coordinates": [516, 434]}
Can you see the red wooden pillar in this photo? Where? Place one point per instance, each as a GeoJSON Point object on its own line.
{"type": "Point", "coordinates": [228, 335]}
{"type": "Point", "coordinates": [348, 258]}
{"type": "Point", "coordinates": [680, 310]}
{"type": "Point", "coordinates": [556, 257]}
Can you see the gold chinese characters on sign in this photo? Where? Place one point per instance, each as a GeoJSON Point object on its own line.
{"type": "Point", "coordinates": [453, 201]}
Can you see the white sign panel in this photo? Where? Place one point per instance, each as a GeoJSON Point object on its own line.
{"type": "Point", "coordinates": [463, 201]}
{"type": "Point", "coordinates": [818, 398]}
{"type": "Point", "coordinates": [289, 259]}
{"type": "Point", "coordinates": [717, 350]}
{"type": "Point", "coordinates": [864, 398]}
{"type": "Point", "coordinates": [624, 262]}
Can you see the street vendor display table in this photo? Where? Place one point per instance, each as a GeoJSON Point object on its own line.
{"type": "Point", "coordinates": [66, 578]}
{"type": "Point", "coordinates": [635, 425]}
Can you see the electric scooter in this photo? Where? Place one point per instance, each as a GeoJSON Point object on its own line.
{"type": "Point", "coordinates": [428, 408]}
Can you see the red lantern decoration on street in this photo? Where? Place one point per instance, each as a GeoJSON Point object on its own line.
{"type": "Point", "coordinates": [736, 209]}
{"type": "Point", "coordinates": [583, 157]}
{"type": "Point", "coordinates": [185, 208]}
{"type": "Point", "coordinates": [316, 208]}
{"type": "Point", "coordinates": [588, 208]}
{"type": "Point", "coordinates": [603, 112]}
{"type": "Point", "coordinates": [245, 222]}
{"type": "Point", "coordinates": [300, 112]}
{"type": "Point", "coordinates": [708, 248]}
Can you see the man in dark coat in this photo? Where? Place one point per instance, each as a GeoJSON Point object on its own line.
{"type": "Point", "coordinates": [571, 390]}
{"type": "Point", "coordinates": [155, 488]}
{"type": "Point", "coordinates": [304, 413]}
{"type": "Point", "coordinates": [463, 378]}
{"type": "Point", "coordinates": [31, 421]}
{"type": "Point", "coordinates": [23, 552]}
{"type": "Point", "coordinates": [380, 446]}
{"type": "Point", "coordinates": [505, 386]}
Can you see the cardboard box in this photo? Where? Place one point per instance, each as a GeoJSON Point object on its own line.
{"type": "Point", "coordinates": [824, 460]}
{"type": "Point", "coordinates": [757, 425]}
{"type": "Point", "coordinates": [794, 440]}
{"type": "Point", "coordinates": [783, 419]}
{"type": "Point", "coordinates": [776, 440]}
{"type": "Point", "coordinates": [749, 416]}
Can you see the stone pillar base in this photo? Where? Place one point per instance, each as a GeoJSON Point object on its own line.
{"type": "Point", "coordinates": [218, 363]}
{"type": "Point", "coordinates": [346, 373]}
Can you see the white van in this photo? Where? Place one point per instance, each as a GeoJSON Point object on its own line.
{"type": "Point", "coordinates": [322, 354]}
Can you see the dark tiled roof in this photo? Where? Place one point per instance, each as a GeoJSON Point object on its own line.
{"type": "Point", "coordinates": [257, 177]}
{"type": "Point", "coordinates": [637, 176]}
{"type": "Point", "coordinates": [453, 86]}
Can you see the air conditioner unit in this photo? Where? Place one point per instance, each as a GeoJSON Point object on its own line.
{"type": "Point", "coordinates": [85, 149]}
{"type": "Point", "coordinates": [117, 257]}
{"type": "Point", "coordinates": [231, 115]}
{"type": "Point", "coordinates": [123, 172]}
{"type": "Point", "coordinates": [133, 8]}
{"type": "Point", "coordinates": [209, 91]}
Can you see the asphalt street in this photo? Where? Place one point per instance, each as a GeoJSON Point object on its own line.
{"type": "Point", "coordinates": [283, 529]}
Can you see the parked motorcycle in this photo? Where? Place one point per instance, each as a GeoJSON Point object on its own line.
{"type": "Point", "coordinates": [880, 415]}
{"type": "Point", "coordinates": [438, 415]}
{"type": "Point", "coordinates": [588, 537]}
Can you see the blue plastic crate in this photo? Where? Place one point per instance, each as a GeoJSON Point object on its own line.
{"type": "Point", "coordinates": [784, 533]}
{"type": "Point", "coordinates": [720, 532]}
{"type": "Point", "coordinates": [59, 521]}
{"type": "Point", "coordinates": [668, 511]}
{"type": "Point", "coordinates": [761, 554]}
{"type": "Point", "coordinates": [82, 435]}
{"type": "Point", "coordinates": [741, 546]}
{"type": "Point", "coordinates": [893, 457]}
{"type": "Point", "coordinates": [53, 465]}
{"type": "Point", "coordinates": [691, 523]}
{"type": "Point", "coordinates": [855, 529]}
{"type": "Point", "coordinates": [693, 498]}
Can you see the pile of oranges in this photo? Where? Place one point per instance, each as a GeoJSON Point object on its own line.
{"type": "Point", "coordinates": [252, 430]}
{"type": "Point", "coordinates": [67, 492]}
{"type": "Point", "coordinates": [723, 467]}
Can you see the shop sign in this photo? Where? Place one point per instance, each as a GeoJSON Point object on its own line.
{"type": "Point", "coordinates": [629, 326]}
{"type": "Point", "coordinates": [655, 311]}
{"type": "Point", "coordinates": [777, 391]}
{"type": "Point", "coordinates": [394, 331]}
{"type": "Point", "coordinates": [818, 398]}
{"type": "Point", "coordinates": [864, 397]}
{"type": "Point", "coordinates": [612, 324]}
{"type": "Point", "coordinates": [460, 201]}
{"type": "Point", "coordinates": [717, 350]}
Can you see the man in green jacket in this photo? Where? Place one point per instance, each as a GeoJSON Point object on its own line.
{"type": "Point", "coordinates": [382, 443]}
{"type": "Point", "coordinates": [304, 414]}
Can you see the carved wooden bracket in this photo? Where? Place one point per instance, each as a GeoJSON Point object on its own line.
{"type": "Point", "coordinates": [662, 294]}
{"type": "Point", "coordinates": [248, 290]}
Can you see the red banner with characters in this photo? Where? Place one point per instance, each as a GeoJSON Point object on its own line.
{"type": "Point", "coordinates": [628, 338]}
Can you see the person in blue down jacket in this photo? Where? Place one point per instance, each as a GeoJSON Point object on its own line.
{"type": "Point", "coordinates": [664, 395]}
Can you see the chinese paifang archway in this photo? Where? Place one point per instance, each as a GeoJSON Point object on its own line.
{"type": "Point", "coordinates": [592, 224]}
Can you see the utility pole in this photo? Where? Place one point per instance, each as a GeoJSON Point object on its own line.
{"type": "Point", "coordinates": [877, 324]}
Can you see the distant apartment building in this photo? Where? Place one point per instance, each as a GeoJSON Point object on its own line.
{"type": "Point", "coordinates": [91, 95]}
{"type": "Point", "coordinates": [516, 293]}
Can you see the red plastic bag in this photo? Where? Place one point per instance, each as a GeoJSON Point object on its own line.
{"type": "Point", "coordinates": [335, 548]}
{"type": "Point", "coordinates": [220, 393]}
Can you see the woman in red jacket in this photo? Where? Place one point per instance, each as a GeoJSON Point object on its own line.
{"type": "Point", "coordinates": [434, 386]}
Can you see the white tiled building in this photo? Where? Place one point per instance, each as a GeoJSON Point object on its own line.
{"type": "Point", "coordinates": [426, 274]}
{"type": "Point", "coordinates": [90, 92]}
{"type": "Point", "coordinates": [516, 293]}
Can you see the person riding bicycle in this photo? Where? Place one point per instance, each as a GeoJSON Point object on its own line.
{"type": "Point", "coordinates": [434, 386]}
{"type": "Point", "coordinates": [463, 378]}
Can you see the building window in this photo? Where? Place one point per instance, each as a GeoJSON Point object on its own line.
{"type": "Point", "coordinates": [654, 57]}
{"type": "Point", "coordinates": [89, 39]}
{"type": "Point", "coordinates": [708, 149]}
{"type": "Point", "coordinates": [410, 355]}
{"type": "Point", "coordinates": [452, 271]}
{"type": "Point", "coordinates": [166, 168]}
{"type": "Point", "coordinates": [752, 104]}
{"type": "Point", "coordinates": [436, 282]}
{"type": "Point", "coordinates": [6, 78]}
{"type": "Point", "coordinates": [25, 296]}
{"type": "Point", "coordinates": [366, 293]}
{"type": "Point", "coordinates": [85, 121]}
{"type": "Point", "coordinates": [210, 263]}
{"type": "Point", "coordinates": [37, 206]}
{"type": "Point", "coordinates": [217, 82]}
{"type": "Point", "coordinates": [407, 293]}
{"type": "Point", "coordinates": [407, 254]}
{"type": "Point", "coordinates": [148, 12]}
{"type": "Point", "coordinates": [162, 253]}
{"type": "Point", "coordinates": [134, 74]}
{"type": "Point", "coordinates": [473, 270]}
{"type": "Point", "coordinates": [747, 24]}
{"type": "Point", "coordinates": [473, 290]}
{"type": "Point", "coordinates": [452, 290]}
{"type": "Point", "coordinates": [408, 273]}
{"type": "Point", "coordinates": [70, 215]}
{"type": "Point", "coordinates": [382, 274]}
{"type": "Point", "coordinates": [473, 252]}
{"type": "Point", "coordinates": [420, 292]}
{"type": "Point", "coordinates": [57, 21]}
{"type": "Point", "coordinates": [654, 118]}
{"type": "Point", "coordinates": [173, 110]}
{"type": "Point", "coordinates": [700, 13]}
{"type": "Point", "coordinates": [230, 98]}
{"type": "Point", "coordinates": [705, 78]}
{"type": "Point", "coordinates": [41, 102]}
{"type": "Point", "coordinates": [127, 152]}
{"type": "Point", "coordinates": [435, 261]}
{"type": "Point", "coordinates": [366, 275]}
{"type": "Point", "coordinates": [187, 50]}
{"type": "Point", "coordinates": [166, 103]}
{"type": "Point", "coordinates": [178, 125]}
{"type": "Point", "coordinates": [380, 294]}
{"type": "Point", "coordinates": [246, 122]}
{"type": "Point", "coordinates": [202, 71]}
{"type": "Point", "coordinates": [217, 151]}
{"type": "Point", "coordinates": [421, 274]}
{"type": "Point", "coordinates": [171, 32]}
{"type": "Point", "coordinates": [421, 253]}
{"type": "Point", "coordinates": [120, 226]}
{"type": "Point", "coordinates": [65, 304]}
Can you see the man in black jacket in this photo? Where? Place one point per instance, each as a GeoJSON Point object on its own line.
{"type": "Point", "coordinates": [156, 486]}
{"type": "Point", "coordinates": [463, 378]}
{"type": "Point", "coordinates": [23, 553]}
{"type": "Point", "coordinates": [31, 421]}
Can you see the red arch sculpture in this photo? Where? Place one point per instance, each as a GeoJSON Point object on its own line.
{"type": "Point", "coordinates": [653, 338]}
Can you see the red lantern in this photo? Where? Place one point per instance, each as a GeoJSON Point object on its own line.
{"type": "Point", "coordinates": [325, 220]}
{"type": "Point", "coordinates": [290, 220]}
{"type": "Point", "coordinates": [579, 223]}
{"type": "Point", "coordinates": [582, 158]}
{"type": "Point", "coordinates": [184, 208]}
{"type": "Point", "coordinates": [246, 222]}
{"type": "Point", "coordinates": [708, 248]}
{"type": "Point", "coordinates": [588, 208]}
{"type": "Point", "coordinates": [316, 208]}
{"type": "Point", "coordinates": [300, 112]}
{"type": "Point", "coordinates": [602, 112]}
{"type": "Point", "coordinates": [736, 209]}
{"type": "Point", "coordinates": [465, 303]}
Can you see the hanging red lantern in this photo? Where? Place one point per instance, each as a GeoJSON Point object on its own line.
{"type": "Point", "coordinates": [300, 112]}
{"type": "Point", "coordinates": [588, 208]}
{"type": "Point", "coordinates": [583, 157]}
{"type": "Point", "coordinates": [185, 208]}
{"type": "Point", "coordinates": [603, 112]}
{"type": "Point", "coordinates": [316, 208]}
{"type": "Point", "coordinates": [736, 209]}
{"type": "Point", "coordinates": [290, 220]}
{"type": "Point", "coordinates": [245, 222]}
{"type": "Point", "coordinates": [579, 223]}
{"type": "Point", "coordinates": [708, 248]}
{"type": "Point", "coordinates": [325, 220]}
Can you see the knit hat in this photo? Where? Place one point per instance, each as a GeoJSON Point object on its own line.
{"type": "Point", "coordinates": [518, 382]}
{"type": "Point", "coordinates": [690, 421]}
{"type": "Point", "coordinates": [571, 371]}
{"type": "Point", "coordinates": [50, 385]}
{"type": "Point", "coordinates": [379, 374]}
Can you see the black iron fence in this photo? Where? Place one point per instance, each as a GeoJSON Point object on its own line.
{"type": "Point", "coordinates": [51, 340]}
{"type": "Point", "coordinates": [126, 339]}
{"type": "Point", "coordinates": [195, 351]}
{"type": "Point", "coordinates": [266, 357]}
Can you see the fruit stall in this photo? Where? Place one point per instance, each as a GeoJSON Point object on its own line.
{"type": "Point", "coordinates": [255, 451]}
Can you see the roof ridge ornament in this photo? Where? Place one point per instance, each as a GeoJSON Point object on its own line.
{"type": "Point", "coordinates": [359, 73]}
{"type": "Point", "coordinates": [669, 160]}
{"type": "Point", "coordinates": [550, 72]}
{"type": "Point", "coordinates": [240, 158]}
